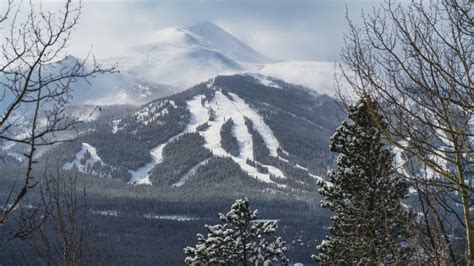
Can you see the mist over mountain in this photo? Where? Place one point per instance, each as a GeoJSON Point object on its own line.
{"type": "Point", "coordinates": [173, 59]}
{"type": "Point", "coordinates": [227, 43]}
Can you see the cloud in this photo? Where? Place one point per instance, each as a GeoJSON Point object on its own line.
{"type": "Point", "coordinates": [282, 29]}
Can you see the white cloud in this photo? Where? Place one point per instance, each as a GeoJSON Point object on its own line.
{"type": "Point", "coordinates": [284, 29]}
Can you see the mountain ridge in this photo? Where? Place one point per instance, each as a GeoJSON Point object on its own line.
{"type": "Point", "coordinates": [227, 43]}
{"type": "Point", "coordinates": [173, 59]}
{"type": "Point", "coordinates": [277, 138]}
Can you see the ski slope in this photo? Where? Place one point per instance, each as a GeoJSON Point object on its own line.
{"type": "Point", "coordinates": [84, 160]}
{"type": "Point", "coordinates": [224, 108]}
{"type": "Point", "coordinates": [199, 115]}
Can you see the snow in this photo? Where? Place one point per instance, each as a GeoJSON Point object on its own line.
{"type": "Point", "coordinates": [199, 115]}
{"type": "Point", "coordinates": [141, 175]}
{"type": "Point", "coordinates": [318, 178]}
{"type": "Point", "coordinates": [400, 164]}
{"type": "Point", "coordinates": [301, 167]}
{"type": "Point", "coordinates": [399, 161]}
{"type": "Point", "coordinates": [86, 167]}
{"type": "Point", "coordinates": [7, 145]}
{"type": "Point", "coordinates": [426, 172]}
{"type": "Point", "coordinates": [16, 156]}
{"type": "Point", "coordinates": [176, 56]}
{"type": "Point", "coordinates": [317, 75]}
{"type": "Point", "coordinates": [237, 109]}
{"type": "Point", "coordinates": [220, 39]}
{"type": "Point", "coordinates": [143, 115]}
{"type": "Point", "coordinates": [189, 174]}
{"type": "Point", "coordinates": [265, 80]}
{"type": "Point", "coordinates": [178, 218]}
{"type": "Point", "coordinates": [258, 124]}
{"type": "Point", "coordinates": [86, 113]}
{"type": "Point", "coordinates": [115, 127]}
{"type": "Point", "coordinates": [224, 108]}
{"type": "Point", "coordinates": [183, 57]}
{"type": "Point", "coordinates": [269, 83]}
{"type": "Point", "coordinates": [120, 97]}
{"type": "Point", "coordinates": [439, 160]}
{"type": "Point", "coordinates": [266, 221]}
{"type": "Point", "coordinates": [113, 213]}
{"type": "Point", "coordinates": [123, 88]}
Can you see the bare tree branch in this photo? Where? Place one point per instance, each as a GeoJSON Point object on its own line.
{"type": "Point", "coordinates": [36, 78]}
{"type": "Point", "coordinates": [416, 60]}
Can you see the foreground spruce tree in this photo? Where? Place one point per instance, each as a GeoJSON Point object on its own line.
{"type": "Point", "coordinates": [239, 240]}
{"type": "Point", "coordinates": [370, 225]}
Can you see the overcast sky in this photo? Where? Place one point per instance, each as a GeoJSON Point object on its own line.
{"type": "Point", "coordinates": [281, 29]}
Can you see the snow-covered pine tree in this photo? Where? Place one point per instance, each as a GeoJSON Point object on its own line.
{"type": "Point", "coordinates": [239, 240]}
{"type": "Point", "coordinates": [364, 192]}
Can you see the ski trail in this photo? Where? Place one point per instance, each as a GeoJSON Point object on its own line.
{"type": "Point", "coordinates": [199, 115]}
{"type": "Point", "coordinates": [259, 124]}
{"type": "Point", "coordinates": [189, 174]}
{"type": "Point", "coordinates": [224, 109]}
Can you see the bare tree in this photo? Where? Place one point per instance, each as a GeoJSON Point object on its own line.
{"type": "Point", "coordinates": [36, 75]}
{"type": "Point", "coordinates": [66, 236]}
{"type": "Point", "coordinates": [436, 223]}
{"type": "Point", "coordinates": [416, 60]}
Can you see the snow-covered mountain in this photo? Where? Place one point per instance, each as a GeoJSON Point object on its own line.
{"type": "Point", "coordinates": [173, 59]}
{"type": "Point", "coordinates": [252, 130]}
{"type": "Point", "coordinates": [216, 37]}
{"type": "Point", "coordinates": [316, 75]}
{"type": "Point", "coordinates": [186, 56]}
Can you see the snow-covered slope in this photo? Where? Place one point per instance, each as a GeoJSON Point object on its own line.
{"type": "Point", "coordinates": [177, 56]}
{"type": "Point", "coordinates": [250, 127]}
{"type": "Point", "coordinates": [187, 56]}
{"type": "Point", "coordinates": [199, 115]}
{"type": "Point", "coordinates": [224, 108]}
{"type": "Point", "coordinates": [115, 90]}
{"type": "Point", "coordinates": [225, 42]}
{"type": "Point", "coordinates": [172, 59]}
{"type": "Point", "coordinates": [87, 161]}
{"type": "Point", "coordinates": [318, 76]}
{"type": "Point", "coordinates": [233, 107]}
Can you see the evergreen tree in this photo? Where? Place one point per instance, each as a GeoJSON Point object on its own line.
{"type": "Point", "coordinates": [364, 192]}
{"type": "Point", "coordinates": [239, 240]}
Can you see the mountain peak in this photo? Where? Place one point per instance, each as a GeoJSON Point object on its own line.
{"type": "Point", "coordinates": [205, 26]}
{"type": "Point", "coordinates": [226, 42]}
